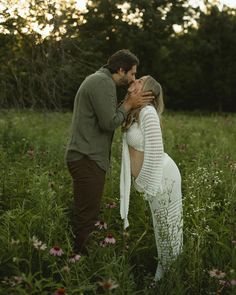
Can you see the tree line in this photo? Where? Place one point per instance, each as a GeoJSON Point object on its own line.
{"type": "Point", "coordinates": [191, 52]}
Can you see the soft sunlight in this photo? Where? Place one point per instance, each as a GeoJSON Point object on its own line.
{"type": "Point", "coordinates": [81, 4]}
{"type": "Point", "coordinates": [22, 8]}
{"type": "Point", "coordinates": [231, 3]}
{"type": "Point", "coordinates": [220, 3]}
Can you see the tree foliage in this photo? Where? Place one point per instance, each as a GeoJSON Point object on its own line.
{"type": "Point", "coordinates": [197, 66]}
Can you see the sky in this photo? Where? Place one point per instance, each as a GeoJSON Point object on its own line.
{"type": "Point", "coordinates": [81, 5]}
{"type": "Point", "coordinates": [231, 3]}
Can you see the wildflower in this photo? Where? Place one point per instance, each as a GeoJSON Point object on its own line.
{"type": "Point", "coordinates": [74, 257]}
{"type": "Point", "coordinates": [215, 273]}
{"type": "Point", "coordinates": [126, 247]}
{"type": "Point", "coordinates": [153, 285]}
{"type": "Point", "coordinates": [108, 284]}
{"type": "Point", "coordinates": [43, 153]}
{"type": "Point", "coordinates": [5, 280]}
{"type": "Point", "coordinates": [15, 242]}
{"type": "Point", "coordinates": [43, 247]}
{"type": "Point", "coordinates": [65, 268]}
{"type": "Point", "coordinates": [101, 224]}
{"type": "Point", "coordinates": [126, 234]}
{"type": "Point", "coordinates": [56, 251]}
{"type": "Point", "coordinates": [13, 281]}
{"type": "Point", "coordinates": [233, 282]}
{"type": "Point", "coordinates": [111, 205]}
{"type": "Point", "coordinates": [30, 152]}
{"type": "Point", "coordinates": [182, 147]}
{"type": "Point", "coordinates": [17, 280]}
{"type": "Point", "coordinates": [38, 244]}
{"type": "Point", "coordinates": [103, 244]}
{"type": "Point", "coordinates": [15, 259]}
{"type": "Point", "coordinates": [224, 283]}
{"type": "Point", "coordinates": [234, 242]}
{"type": "Point", "coordinates": [51, 184]}
{"type": "Point", "coordinates": [110, 239]}
{"type": "Point", "coordinates": [232, 166]}
{"type": "Point", "coordinates": [60, 291]}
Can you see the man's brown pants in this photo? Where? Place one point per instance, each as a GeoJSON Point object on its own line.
{"type": "Point", "coordinates": [88, 182]}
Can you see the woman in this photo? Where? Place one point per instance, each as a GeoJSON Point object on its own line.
{"type": "Point", "coordinates": [154, 174]}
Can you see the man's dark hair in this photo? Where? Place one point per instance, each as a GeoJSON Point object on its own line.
{"type": "Point", "coordinates": [123, 59]}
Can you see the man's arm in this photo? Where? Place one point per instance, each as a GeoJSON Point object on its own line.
{"type": "Point", "coordinates": [104, 102]}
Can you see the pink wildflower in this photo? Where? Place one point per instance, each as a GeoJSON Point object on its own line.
{"type": "Point", "coordinates": [224, 283]}
{"type": "Point", "coordinates": [233, 282]}
{"type": "Point", "coordinates": [110, 239]}
{"type": "Point", "coordinates": [101, 224]}
{"type": "Point", "coordinates": [111, 205]}
{"type": "Point", "coordinates": [182, 147]}
{"type": "Point", "coordinates": [73, 258]}
{"type": "Point", "coordinates": [30, 152]}
{"type": "Point", "coordinates": [56, 251]}
{"type": "Point", "coordinates": [215, 273]}
{"type": "Point", "coordinates": [60, 291]}
{"type": "Point", "coordinates": [108, 284]}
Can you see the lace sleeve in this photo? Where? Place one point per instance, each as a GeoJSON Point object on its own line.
{"type": "Point", "coordinates": [150, 176]}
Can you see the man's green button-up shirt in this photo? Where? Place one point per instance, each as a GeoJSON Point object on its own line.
{"type": "Point", "coordinates": [95, 117]}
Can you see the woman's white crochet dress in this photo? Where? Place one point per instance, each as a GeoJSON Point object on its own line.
{"type": "Point", "coordinates": [160, 182]}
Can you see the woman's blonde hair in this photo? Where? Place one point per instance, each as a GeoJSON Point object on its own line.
{"type": "Point", "coordinates": [150, 84]}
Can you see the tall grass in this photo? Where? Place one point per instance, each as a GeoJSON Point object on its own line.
{"type": "Point", "coordinates": [36, 205]}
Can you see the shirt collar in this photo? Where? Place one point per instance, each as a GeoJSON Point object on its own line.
{"type": "Point", "coordinates": [105, 70]}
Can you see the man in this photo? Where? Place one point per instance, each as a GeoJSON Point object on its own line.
{"type": "Point", "coordinates": [95, 117]}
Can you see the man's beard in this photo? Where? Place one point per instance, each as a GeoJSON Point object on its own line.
{"type": "Point", "coordinates": [123, 81]}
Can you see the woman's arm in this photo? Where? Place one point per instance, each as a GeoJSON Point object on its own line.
{"type": "Point", "coordinates": [150, 176]}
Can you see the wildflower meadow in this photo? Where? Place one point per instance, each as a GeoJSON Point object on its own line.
{"type": "Point", "coordinates": [36, 238]}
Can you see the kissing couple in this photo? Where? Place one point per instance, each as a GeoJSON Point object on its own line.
{"type": "Point", "coordinates": [144, 163]}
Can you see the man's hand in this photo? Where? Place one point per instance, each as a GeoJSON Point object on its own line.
{"type": "Point", "coordinates": [135, 99]}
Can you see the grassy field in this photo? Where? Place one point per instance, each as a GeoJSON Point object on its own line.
{"type": "Point", "coordinates": [36, 206]}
